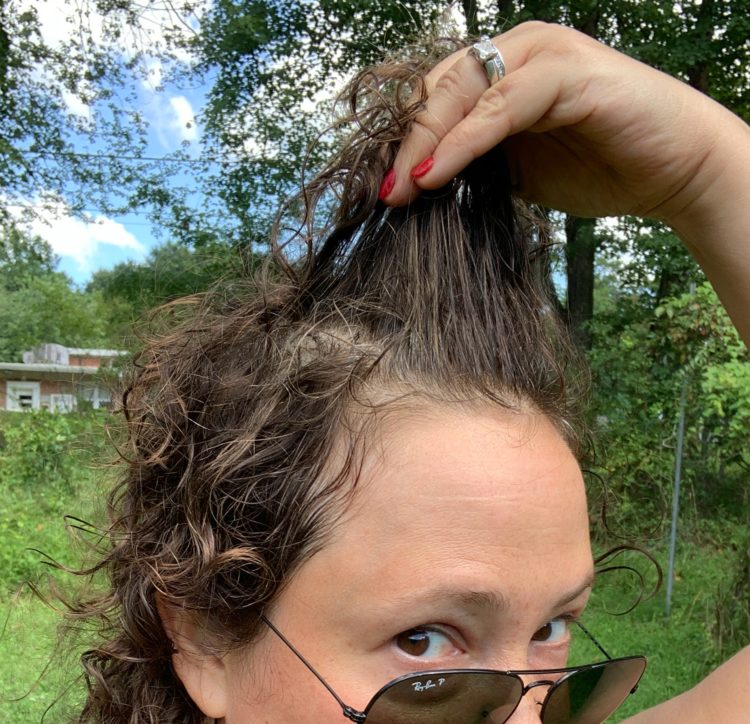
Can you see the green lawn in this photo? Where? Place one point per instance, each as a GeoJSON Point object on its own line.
{"type": "Point", "coordinates": [30, 680]}
{"type": "Point", "coordinates": [680, 651]}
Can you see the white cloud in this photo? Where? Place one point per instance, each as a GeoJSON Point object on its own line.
{"type": "Point", "coordinates": [252, 149]}
{"type": "Point", "coordinates": [158, 27]}
{"type": "Point", "coordinates": [78, 239]}
{"type": "Point", "coordinates": [180, 19]}
{"type": "Point", "coordinates": [183, 120]}
{"type": "Point", "coordinates": [154, 74]}
{"type": "Point", "coordinates": [76, 106]}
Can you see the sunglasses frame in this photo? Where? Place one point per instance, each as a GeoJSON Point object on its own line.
{"type": "Point", "coordinates": [568, 672]}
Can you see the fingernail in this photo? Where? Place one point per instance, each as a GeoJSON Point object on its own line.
{"type": "Point", "coordinates": [422, 168]}
{"type": "Point", "coordinates": [389, 181]}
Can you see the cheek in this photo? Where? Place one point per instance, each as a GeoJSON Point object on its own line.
{"type": "Point", "coordinates": [548, 657]}
{"type": "Point", "coordinates": [270, 687]}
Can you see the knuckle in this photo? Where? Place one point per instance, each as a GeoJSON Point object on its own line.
{"type": "Point", "coordinates": [533, 25]}
{"type": "Point", "coordinates": [449, 83]}
{"type": "Point", "coordinates": [495, 101]}
{"type": "Point", "coordinates": [494, 110]}
{"type": "Point", "coordinates": [422, 128]}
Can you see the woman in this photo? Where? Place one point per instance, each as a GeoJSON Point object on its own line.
{"type": "Point", "coordinates": [367, 472]}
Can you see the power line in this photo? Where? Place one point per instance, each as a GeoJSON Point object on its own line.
{"type": "Point", "coordinates": [123, 157]}
{"type": "Point", "coordinates": [111, 215]}
{"type": "Point", "coordinates": [87, 210]}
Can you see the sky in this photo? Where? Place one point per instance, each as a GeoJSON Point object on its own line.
{"type": "Point", "coordinates": [173, 114]}
{"type": "Point", "coordinates": [100, 242]}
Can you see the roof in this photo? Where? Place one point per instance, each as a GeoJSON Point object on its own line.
{"type": "Point", "coordinates": [95, 352]}
{"type": "Point", "coordinates": [48, 367]}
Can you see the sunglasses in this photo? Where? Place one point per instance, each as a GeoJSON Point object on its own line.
{"type": "Point", "coordinates": [575, 695]}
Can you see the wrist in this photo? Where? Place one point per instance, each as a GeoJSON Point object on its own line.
{"type": "Point", "coordinates": [718, 194]}
{"type": "Point", "coordinates": [715, 224]}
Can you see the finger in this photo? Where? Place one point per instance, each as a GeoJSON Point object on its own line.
{"type": "Point", "coordinates": [454, 91]}
{"type": "Point", "coordinates": [519, 102]}
{"type": "Point", "coordinates": [451, 97]}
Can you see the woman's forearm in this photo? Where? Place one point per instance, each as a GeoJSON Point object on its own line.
{"type": "Point", "coordinates": [716, 224]}
{"type": "Point", "coordinates": [721, 698]}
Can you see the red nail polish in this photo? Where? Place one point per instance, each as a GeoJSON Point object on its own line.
{"type": "Point", "coordinates": [422, 168]}
{"type": "Point", "coordinates": [389, 181]}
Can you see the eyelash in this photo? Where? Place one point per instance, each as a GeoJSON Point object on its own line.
{"type": "Point", "coordinates": [427, 629]}
{"type": "Point", "coordinates": [566, 619]}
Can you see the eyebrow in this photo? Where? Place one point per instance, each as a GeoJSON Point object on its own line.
{"type": "Point", "coordinates": [485, 600]}
{"type": "Point", "coordinates": [576, 592]}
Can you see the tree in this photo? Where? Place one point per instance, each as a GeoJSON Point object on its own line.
{"type": "Point", "coordinates": [275, 64]}
{"type": "Point", "coordinates": [38, 303]}
{"type": "Point", "coordinates": [172, 270]}
{"type": "Point", "coordinates": [22, 258]}
{"type": "Point", "coordinates": [70, 131]}
{"type": "Point", "coordinates": [640, 369]}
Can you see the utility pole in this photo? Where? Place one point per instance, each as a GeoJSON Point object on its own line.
{"type": "Point", "coordinates": [677, 485]}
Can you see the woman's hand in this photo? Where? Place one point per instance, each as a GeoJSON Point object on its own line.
{"type": "Point", "coordinates": [593, 132]}
{"type": "Point", "coordinates": [589, 130]}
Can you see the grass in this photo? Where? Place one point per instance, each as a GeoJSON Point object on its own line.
{"type": "Point", "coordinates": [32, 675]}
{"type": "Point", "coordinates": [680, 650]}
{"type": "Point", "coordinates": [34, 687]}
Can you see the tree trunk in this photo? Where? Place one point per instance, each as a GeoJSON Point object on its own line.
{"type": "Point", "coordinates": [471, 13]}
{"type": "Point", "coordinates": [580, 251]}
{"type": "Point", "coordinates": [505, 13]}
{"type": "Point", "coordinates": [704, 29]}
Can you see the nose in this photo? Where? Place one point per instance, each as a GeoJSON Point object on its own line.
{"type": "Point", "coordinates": [528, 710]}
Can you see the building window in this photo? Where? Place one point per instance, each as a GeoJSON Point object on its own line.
{"type": "Point", "coordinates": [97, 396]}
{"type": "Point", "coordinates": [21, 395]}
{"type": "Point", "coordinates": [62, 403]}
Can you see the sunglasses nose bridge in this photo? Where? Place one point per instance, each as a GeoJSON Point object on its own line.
{"type": "Point", "coordinates": [528, 709]}
{"type": "Point", "coordinates": [533, 684]}
{"type": "Point", "coordinates": [538, 699]}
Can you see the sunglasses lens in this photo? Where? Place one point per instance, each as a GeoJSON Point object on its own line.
{"type": "Point", "coordinates": [450, 698]}
{"type": "Point", "coordinates": [591, 695]}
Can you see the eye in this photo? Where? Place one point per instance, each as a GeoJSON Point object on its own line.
{"type": "Point", "coordinates": [552, 632]}
{"type": "Point", "coordinates": [425, 643]}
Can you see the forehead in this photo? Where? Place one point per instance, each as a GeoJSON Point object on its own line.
{"type": "Point", "coordinates": [482, 500]}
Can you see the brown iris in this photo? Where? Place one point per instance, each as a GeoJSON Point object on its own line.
{"type": "Point", "coordinates": [414, 642]}
{"type": "Point", "coordinates": [543, 633]}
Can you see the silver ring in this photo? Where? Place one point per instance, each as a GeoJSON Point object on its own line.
{"type": "Point", "coordinates": [490, 58]}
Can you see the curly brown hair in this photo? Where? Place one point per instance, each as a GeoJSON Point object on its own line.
{"type": "Point", "coordinates": [233, 414]}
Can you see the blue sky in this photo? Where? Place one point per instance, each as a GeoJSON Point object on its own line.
{"type": "Point", "coordinates": [105, 241]}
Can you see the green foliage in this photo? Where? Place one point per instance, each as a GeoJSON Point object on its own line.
{"type": "Point", "coordinates": [38, 304]}
{"type": "Point", "coordinates": [644, 352]}
{"type": "Point", "coordinates": [47, 309]}
{"type": "Point", "coordinates": [276, 65]}
{"type": "Point", "coordinates": [45, 463]}
{"type": "Point", "coordinates": [62, 102]}
{"type": "Point", "coordinates": [36, 450]}
{"type": "Point", "coordinates": [725, 388]}
{"type": "Point", "coordinates": [730, 607]}
{"type": "Point", "coordinates": [171, 271]}
{"type": "Point", "coordinates": [23, 258]}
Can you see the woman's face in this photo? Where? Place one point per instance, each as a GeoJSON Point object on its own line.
{"type": "Point", "coordinates": [466, 546]}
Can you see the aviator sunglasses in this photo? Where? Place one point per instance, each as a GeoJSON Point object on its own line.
{"type": "Point", "coordinates": [575, 695]}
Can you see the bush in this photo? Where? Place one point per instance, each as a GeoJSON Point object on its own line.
{"type": "Point", "coordinates": [36, 450]}
{"type": "Point", "coordinates": [45, 464]}
{"type": "Point", "coordinates": [731, 625]}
